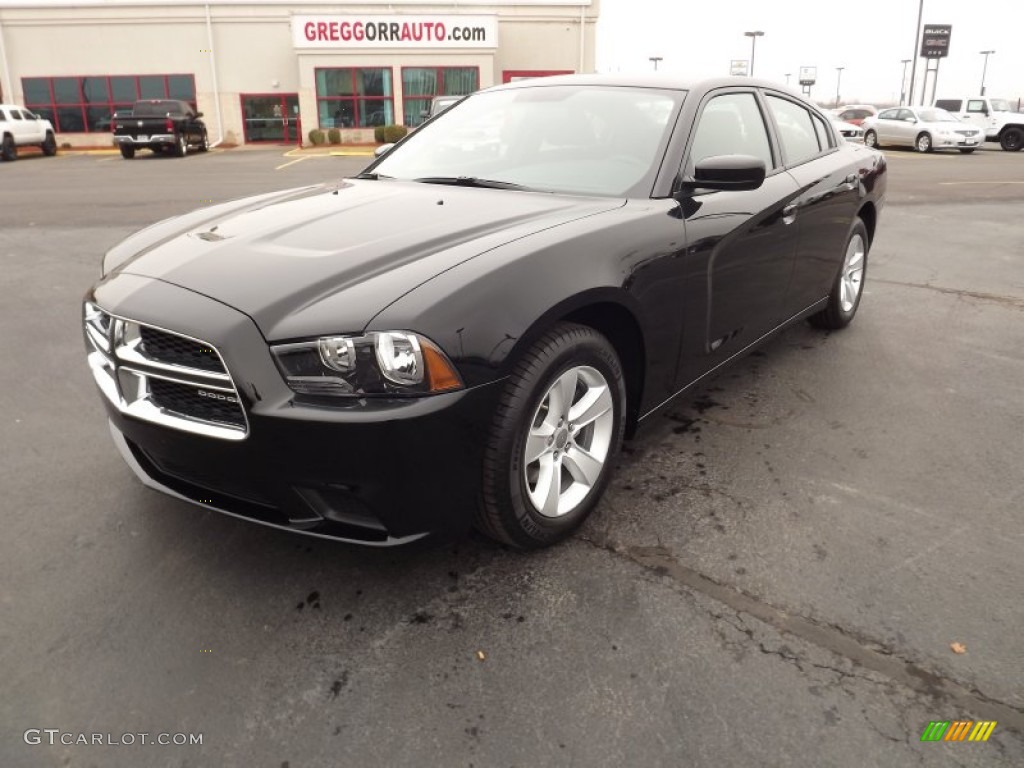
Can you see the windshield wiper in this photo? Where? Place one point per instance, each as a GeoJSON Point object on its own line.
{"type": "Point", "coordinates": [470, 181]}
{"type": "Point", "coordinates": [372, 176]}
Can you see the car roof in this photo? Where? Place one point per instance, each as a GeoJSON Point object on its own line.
{"type": "Point", "coordinates": [669, 82]}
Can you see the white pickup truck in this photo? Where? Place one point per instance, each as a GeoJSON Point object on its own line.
{"type": "Point", "coordinates": [994, 116]}
{"type": "Point", "coordinates": [20, 128]}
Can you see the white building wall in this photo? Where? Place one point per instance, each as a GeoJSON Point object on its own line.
{"type": "Point", "coordinates": [254, 53]}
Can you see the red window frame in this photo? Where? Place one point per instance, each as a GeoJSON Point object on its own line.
{"type": "Point", "coordinates": [508, 74]}
{"type": "Point", "coordinates": [439, 78]}
{"type": "Point", "coordinates": [356, 97]}
{"type": "Point", "coordinates": [110, 103]}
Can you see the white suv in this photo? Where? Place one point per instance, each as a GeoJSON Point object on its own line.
{"type": "Point", "coordinates": [994, 116]}
{"type": "Point", "coordinates": [20, 128]}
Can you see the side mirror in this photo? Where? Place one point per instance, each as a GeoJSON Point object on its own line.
{"type": "Point", "coordinates": [199, 114]}
{"type": "Point", "coordinates": [727, 172]}
{"type": "Point", "coordinates": [382, 150]}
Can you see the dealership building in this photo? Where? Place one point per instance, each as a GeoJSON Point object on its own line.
{"type": "Point", "coordinates": [272, 71]}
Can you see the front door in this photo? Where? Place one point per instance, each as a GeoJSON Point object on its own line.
{"type": "Point", "coordinates": [271, 117]}
{"type": "Point", "coordinates": [742, 243]}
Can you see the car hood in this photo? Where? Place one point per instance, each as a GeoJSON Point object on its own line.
{"type": "Point", "coordinates": [327, 259]}
{"type": "Point", "coordinates": [951, 126]}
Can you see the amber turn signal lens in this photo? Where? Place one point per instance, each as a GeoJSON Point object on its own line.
{"type": "Point", "coordinates": [440, 375]}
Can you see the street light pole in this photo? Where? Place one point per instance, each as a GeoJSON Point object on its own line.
{"type": "Point", "coordinates": [984, 69]}
{"type": "Point", "coordinates": [913, 69]}
{"type": "Point", "coordinates": [839, 79]}
{"type": "Point", "coordinates": [903, 82]}
{"type": "Point", "coordinates": [655, 59]}
{"type": "Point", "coordinates": [788, 75]}
{"type": "Point", "coordinates": [753, 46]}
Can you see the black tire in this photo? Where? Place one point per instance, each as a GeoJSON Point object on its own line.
{"type": "Point", "coordinates": [1011, 139]}
{"type": "Point", "coordinates": [506, 512]}
{"type": "Point", "coordinates": [8, 149]}
{"type": "Point", "coordinates": [204, 145]}
{"type": "Point", "coordinates": [49, 145]}
{"type": "Point", "coordinates": [834, 316]}
{"type": "Point", "coordinates": [181, 146]}
{"type": "Point", "coordinates": [967, 151]}
{"type": "Point", "coordinates": [127, 151]}
{"type": "Point", "coordinates": [871, 139]}
{"type": "Point", "coordinates": [923, 142]}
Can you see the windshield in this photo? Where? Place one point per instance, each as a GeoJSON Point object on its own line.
{"type": "Point", "coordinates": [1000, 105]}
{"type": "Point", "coordinates": [937, 116]}
{"type": "Point", "coordinates": [559, 138]}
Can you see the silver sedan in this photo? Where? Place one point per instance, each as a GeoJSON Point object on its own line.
{"type": "Point", "coordinates": [924, 128]}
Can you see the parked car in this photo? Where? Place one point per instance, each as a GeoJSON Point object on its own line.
{"type": "Point", "coordinates": [299, 360]}
{"type": "Point", "coordinates": [439, 104]}
{"type": "Point", "coordinates": [924, 128]}
{"type": "Point", "coordinates": [160, 124]}
{"type": "Point", "coordinates": [995, 117]}
{"type": "Point", "coordinates": [848, 131]}
{"type": "Point", "coordinates": [855, 113]}
{"type": "Point", "coordinates": [20, 127]}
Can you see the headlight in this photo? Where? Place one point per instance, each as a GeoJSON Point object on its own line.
{"type": "Point", "coordinates": [379, 363]}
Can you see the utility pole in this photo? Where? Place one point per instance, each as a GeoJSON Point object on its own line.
{"type": "Point", "coordinates": [839, 79]}
{"type": "Point", "coordinates": [655, 59]}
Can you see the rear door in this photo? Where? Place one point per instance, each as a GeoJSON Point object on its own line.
{"type": "Point", "coordinates": [976, 113]}
{"type": "Point", "coordinates": [883, 125]}
{"type": "Point", "coordinates": [905, 128]}
{"type": "Point", "coordinates": [826, 203]}
{"type": "Point", "coordinates": [34, 131]}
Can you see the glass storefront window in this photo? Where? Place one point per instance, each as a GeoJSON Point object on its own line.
{"type": "Point", "coordinates": [85, 104]}
{"type": "Point", "coordinates": [421, 84]}
{"type": "Point", "coordinates": [354, 98]}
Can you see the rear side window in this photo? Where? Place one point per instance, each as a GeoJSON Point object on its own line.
{"type": "Point", "coordinates": [888, 114]}
{"type": "Point", "coordinates": [824, 134]}
{"type": "Point", "coordinates": [732, 124]}
{"type": "Point", "coordinates": [3, 116]}
{"type": "Point", "coordinates": [976, 106]}
{"type": "Point", "coordinates": [16, 114]}
{"type": "Point", "coordinates": [951, 105]}
{"type": "Point", "coordinates": [796, 130]}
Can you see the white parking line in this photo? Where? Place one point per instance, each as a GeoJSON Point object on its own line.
{"type": "Point", "coordinates": [955, 183]}
{"type": "Point", "coordinates": [291, 162]}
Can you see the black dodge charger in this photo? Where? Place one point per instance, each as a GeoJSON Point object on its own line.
{"type": "Point", "coordinates": [464, 332]}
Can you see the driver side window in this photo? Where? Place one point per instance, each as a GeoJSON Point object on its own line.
{"type": "Point", "coordinates": [731, 124]}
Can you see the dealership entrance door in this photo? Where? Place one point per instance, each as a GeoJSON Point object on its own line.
{"type": "Point", "coordinates": [271, 117]}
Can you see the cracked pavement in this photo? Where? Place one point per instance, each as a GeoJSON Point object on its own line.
{"type": "Point", "coordinates": [774, 579]}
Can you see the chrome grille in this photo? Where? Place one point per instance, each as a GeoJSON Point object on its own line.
{"type": "Point", "coordinates": [178, 350]}
{"type": "Point", "coordinates": [967, 133]}
{"type": "Point", "coordinates": [163, 377]}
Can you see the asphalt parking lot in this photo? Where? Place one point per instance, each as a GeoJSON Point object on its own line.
{"type": "Point", "coordinates": [777, 577]}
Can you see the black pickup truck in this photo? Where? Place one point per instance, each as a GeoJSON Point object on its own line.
{"type": "Point", "coordinates": [160, 124]}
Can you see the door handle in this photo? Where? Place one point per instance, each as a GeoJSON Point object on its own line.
{"type": "Point", "coordinates": [789, 213]}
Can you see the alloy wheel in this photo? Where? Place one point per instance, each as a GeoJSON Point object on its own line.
{"type": "Point", "coordinates": [568, 441]}
{"type": "Point", "coordinates": [852, 277]}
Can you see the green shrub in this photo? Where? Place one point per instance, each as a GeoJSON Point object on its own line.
{"type": "Point", "coordinates": [334, 136]}
{"type": "Point", "coordinates": [393, 133]}
{"type": "Point", "coordinates": [378, 134]}
{"type": "Point", "coordinates": [317, 137]}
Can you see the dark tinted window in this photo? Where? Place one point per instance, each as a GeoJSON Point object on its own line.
{"type": "Point", "coordinates": [796, 130]}
{"type": "Point", "coordinates": [158, 108]}
{"type": "Point", "coordinates": [953, 105]}
{"type": "Point", "coordinates": [37, 89]}
{"type": "Point", "coordinates": [124, 88]}
{"type": "Point", "coordinates": [152, 87]}
{"type": "Point", "coordinates": [732, 125]}
{"type": "Point", "coordinates": [16, 114]}
{"type": "Point", "coordinates": [887, 114]}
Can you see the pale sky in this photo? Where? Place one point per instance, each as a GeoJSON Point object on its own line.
{"type": "Point", "coordinates": [868, 37]}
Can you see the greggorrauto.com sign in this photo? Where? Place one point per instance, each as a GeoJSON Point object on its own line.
{"type": "Point", "coordinates": [357, 31]}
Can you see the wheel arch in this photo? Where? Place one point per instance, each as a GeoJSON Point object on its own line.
{"type": "Point", "coordinates": [869, 215]}
{"type": "Point", "coordinates": [614, 315]}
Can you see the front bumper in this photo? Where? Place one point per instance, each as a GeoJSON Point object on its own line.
{"type": "Point", "coordinates": [381, 472]}
{"type": "Point", "coordinates": [958, 142]}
